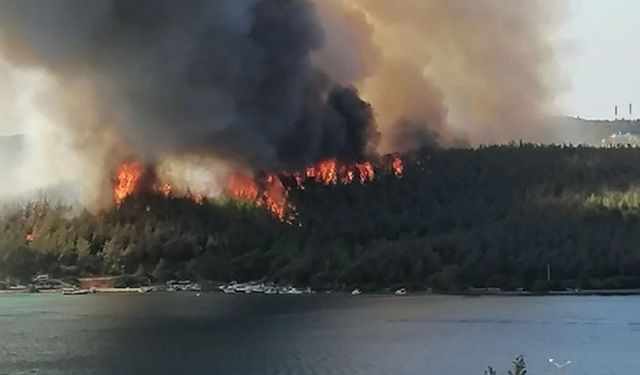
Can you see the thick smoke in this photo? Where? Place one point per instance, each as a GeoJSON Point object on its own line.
{"type": "Point", "coordinates": [269, 84]}
{"type": "Point", "coordinates": [229, 77]}
{"type": "Point", "coordinates": [477, 71]}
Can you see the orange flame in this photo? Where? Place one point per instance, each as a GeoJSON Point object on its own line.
{"type": "Point", "coordinates": [329, 172]}
{"type": "Point", "coordinates": [272, 195]}
{"type": "Point", "coordinates": [347, 175]}
{"type": "Point", "coordinates": [275, 196]}
{"type": "Point", "coordinates": [242, 187]}
{"type": "Point", "coordinates": [30, 237]}
{"type": "Point", "coordinates": [128, 176]}
{"type": "Point", "coordinates": [366, 172]}
{"type": "Point", "coordinates": [326, 172]}
{"type": "Point", "coordinates": [397, 166]}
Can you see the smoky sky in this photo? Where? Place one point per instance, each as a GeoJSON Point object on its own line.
{"type": "Point", "coordinates": [230, 78]}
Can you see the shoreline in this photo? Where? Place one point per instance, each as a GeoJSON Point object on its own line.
{"type": "Point", "coordinates": [591, 292]}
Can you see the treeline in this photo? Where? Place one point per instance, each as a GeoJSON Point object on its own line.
{"type": "Point", "coordinates": [487, 217]}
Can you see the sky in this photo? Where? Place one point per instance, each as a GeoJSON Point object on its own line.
{"type": "Point", "coordinates": [602, 63]}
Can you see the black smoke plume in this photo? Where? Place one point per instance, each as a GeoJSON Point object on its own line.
{"type": "Point", "coordinates": [228, 78]}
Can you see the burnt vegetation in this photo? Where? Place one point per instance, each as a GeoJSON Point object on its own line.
{"type": "Point", "coordinates": [489, 217]}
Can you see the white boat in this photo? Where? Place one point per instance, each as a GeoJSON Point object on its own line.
{"type": "Point", "coordinates": [356, 292]}
{"type": "Point", "coordinates": [401, 292]}
{"type": "Point", "coordinates": [241, 288]}
{"type": "Point", "coordinates": [196, 287]}
{"type": "Point", "coordinates": [260, 288]}
{"type": "Point", "coordinates": [74, 291]}
{"type": "Point", "coordinates": [228, 289]}
{"type": "Point", "coordinates": [271, 290]}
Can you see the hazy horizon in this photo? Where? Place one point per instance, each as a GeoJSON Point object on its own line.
{"type": "Point", "coordinates": [601, 64]}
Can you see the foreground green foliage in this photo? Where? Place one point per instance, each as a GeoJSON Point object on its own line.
{"type": "Point", "coordinates": [490, 217]}
{"type": "Point", "coordinates": [519, 368]}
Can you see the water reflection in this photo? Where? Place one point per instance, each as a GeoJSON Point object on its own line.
{"type": "Point", "coordinates": [237, 334]}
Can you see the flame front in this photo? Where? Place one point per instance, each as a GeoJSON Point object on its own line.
{"type": "Point", "coordinates": [275, 197]}
{"type": "Point", "coordinates": [326, 172]}
{"type": "Point", "coordinates": [242, 187]}
{"type": "Point", "coordinates": [366, 172]}
{"type": "Point", "coordinates": [267, 190]}
{"type": "Point", "coordinates": [128, 177]}
{"type": "Point", "coordinates": [330, 172]}
{"type": "Point", "coordinates": [397, 167]}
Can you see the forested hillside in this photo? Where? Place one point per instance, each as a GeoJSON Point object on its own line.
{"type": "Point", "coordinates": [488, 217]}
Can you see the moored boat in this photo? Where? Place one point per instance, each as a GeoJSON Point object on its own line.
{"type": "Point", "coordinates": [74, 291]}
{"type": "Point", "coordinates": [401, 292]}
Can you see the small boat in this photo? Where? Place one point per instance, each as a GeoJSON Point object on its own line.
{"type": "Point", "coordinates": [356, 292]}
{"type": "Point", "coordinates": [271, 290]}
{"type": "Point", "coordinates": [401, 292]}
{"type": "Point", "coordinates": [241, 288]}
{"type": "Point", "coordinates": [196, 287]}
{"type": "Point", "coordinates": [295, 291]}
{"type": "Point", "coordinates": [229, 289]}
{"type": "Point", "coordinates": [74, 292]}
{"type": "Point", "coordinates": [260, 288]}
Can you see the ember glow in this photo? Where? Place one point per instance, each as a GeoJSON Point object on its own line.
{"type": "Point", "coordinates": [165, 189]}
{"type": "Point", "coordinates": [128, 177]}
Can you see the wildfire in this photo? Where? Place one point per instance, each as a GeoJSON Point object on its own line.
{"type": "Point", "coordinates": [272, 194]}
{"type": "Point", "coordinates": [330, 172]}
{"type": "Point", "coordinates": [397, 167]}
{"type": "Point", "coordinates": [128, 176]}
{"type": "Point", "coordinates": [325, 172]}
{"type": "Point", "coordinates": [242, 187]}
{"type": "Point", "coordinates": [275, 197]}
{"type": "Point", "coordinates": [30, 237]}
{"type": "Point", "coordinates": [266, 189]}
{"type": "Point", "coordinates": [366, 172]}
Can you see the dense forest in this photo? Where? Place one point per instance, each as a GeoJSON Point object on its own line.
{"type": "Point", "coordinates": [494, 216]}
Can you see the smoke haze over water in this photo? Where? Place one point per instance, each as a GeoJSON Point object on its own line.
{"type": "Point", "coordinates": [264, 84]}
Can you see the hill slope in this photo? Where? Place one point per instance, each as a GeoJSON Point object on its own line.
{"type": "Point", "coordinates": [494, 216]}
